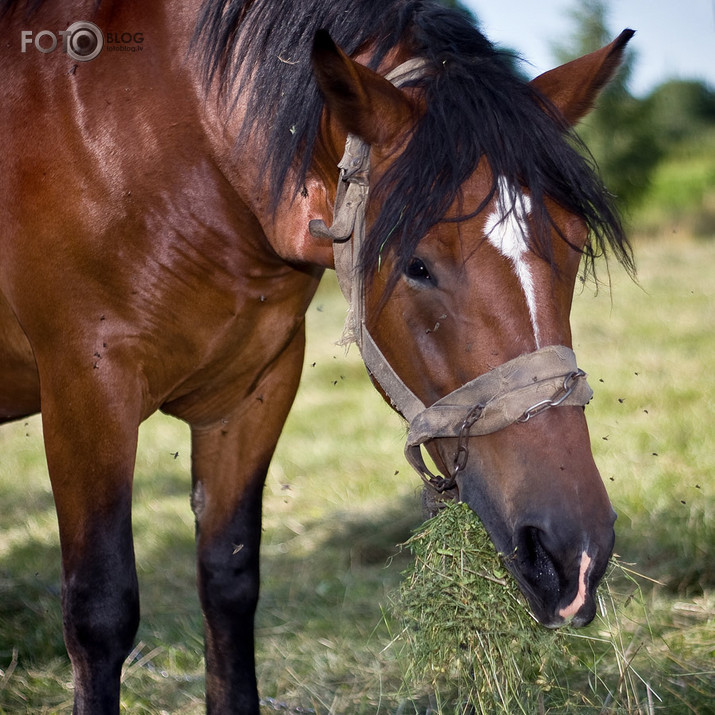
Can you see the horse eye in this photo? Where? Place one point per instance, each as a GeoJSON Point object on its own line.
{"type": "Point", "coordinates": [417, 270]}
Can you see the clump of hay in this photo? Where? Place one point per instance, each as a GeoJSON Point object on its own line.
{"type": "Point", "coordinates": [472, 646]}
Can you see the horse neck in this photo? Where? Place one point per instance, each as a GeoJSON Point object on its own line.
{"type": "Point", "coordinates": [318, 192]}
{"type": "Point", "coordinates": [219, 117]}
{"type": "Point", "coordinates": [284, 224]}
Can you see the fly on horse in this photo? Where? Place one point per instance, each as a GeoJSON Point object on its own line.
{"type": "Point", "coordinates": [166, 216]}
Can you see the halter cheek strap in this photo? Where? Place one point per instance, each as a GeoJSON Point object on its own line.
{"type": "Point", "coordinates": [513, 392]}
{"type": "Point", "coordinates": [349, 223]}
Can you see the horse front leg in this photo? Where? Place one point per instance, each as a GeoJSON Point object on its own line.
{"type": "Point", "coordinates": [228, 540]}
{"type": "Point", "coordinates": [90, 440]}
{"type": "Point", "coordinates": [230, 461]}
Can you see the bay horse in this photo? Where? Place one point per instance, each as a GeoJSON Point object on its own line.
{"type": "Point", "coordinates": [169, 201]}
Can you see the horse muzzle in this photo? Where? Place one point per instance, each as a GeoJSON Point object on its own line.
{"type": "Point", "coordinates": [546, 511]}
{"type": "Point", "coordinates": [557, 576]}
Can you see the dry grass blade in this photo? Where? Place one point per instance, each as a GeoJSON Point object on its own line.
{"type": "Point", "coordinates": [6, 674]}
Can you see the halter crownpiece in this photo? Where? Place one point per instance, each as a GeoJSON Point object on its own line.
{"type": "Point", "coordinates": [513, 392]}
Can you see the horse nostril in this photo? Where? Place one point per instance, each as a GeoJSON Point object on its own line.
{"type": "Point", "coordinates": [533, 558]}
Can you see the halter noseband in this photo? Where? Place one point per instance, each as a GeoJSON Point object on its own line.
{"type": "Point", "coordinates": [513, 392]}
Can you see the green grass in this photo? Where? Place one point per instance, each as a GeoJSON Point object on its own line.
{"type": "Point", "coordinates": [340, 497]}
{"type": "Point", "coordinates": [477, 649]}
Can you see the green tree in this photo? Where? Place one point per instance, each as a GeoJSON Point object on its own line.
{"type": "Point", "coordinates": [683, 191]}
{"type": "Point", "coordinates": [619, 132]}
{"type": "Point", "coordinates": [681, 110]}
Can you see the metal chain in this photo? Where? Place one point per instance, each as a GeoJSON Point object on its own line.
{"type": "Point", "coordinates": [461, 456]}
{"type": "Point", "coordinates": [565, 390]}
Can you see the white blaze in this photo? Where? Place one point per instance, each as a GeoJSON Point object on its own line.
{"type": "Point", "coordinates": [506, 229]}
{"type": "Point", "coordinates": [573, 608]}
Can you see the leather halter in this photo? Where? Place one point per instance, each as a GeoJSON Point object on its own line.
{"type": "Point", "coordinates": [512, 392]}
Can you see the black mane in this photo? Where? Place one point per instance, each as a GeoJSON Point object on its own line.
{"type": "Point", "coordinates": [477, 105]}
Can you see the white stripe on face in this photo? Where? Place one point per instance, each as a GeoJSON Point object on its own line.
{"type": "Point", "coordinates": [573, 608]}
{"type": "Point", "coordinates": [506, 228]}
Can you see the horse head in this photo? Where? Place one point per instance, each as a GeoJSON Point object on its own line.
{"type": "Point", "coordinates": [478, 216]}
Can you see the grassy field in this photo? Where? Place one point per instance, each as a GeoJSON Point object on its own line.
{"type": "Point", "coordinates": [340, 498]}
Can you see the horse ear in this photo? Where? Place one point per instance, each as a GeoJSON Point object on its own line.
{"type": "Point", "coordinates": [573, 88]}
{"type": "Point", "coordinates": [362, 101]}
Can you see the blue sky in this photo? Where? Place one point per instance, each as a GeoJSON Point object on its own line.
{"type": "Point", "coordinates": [674, 38]}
